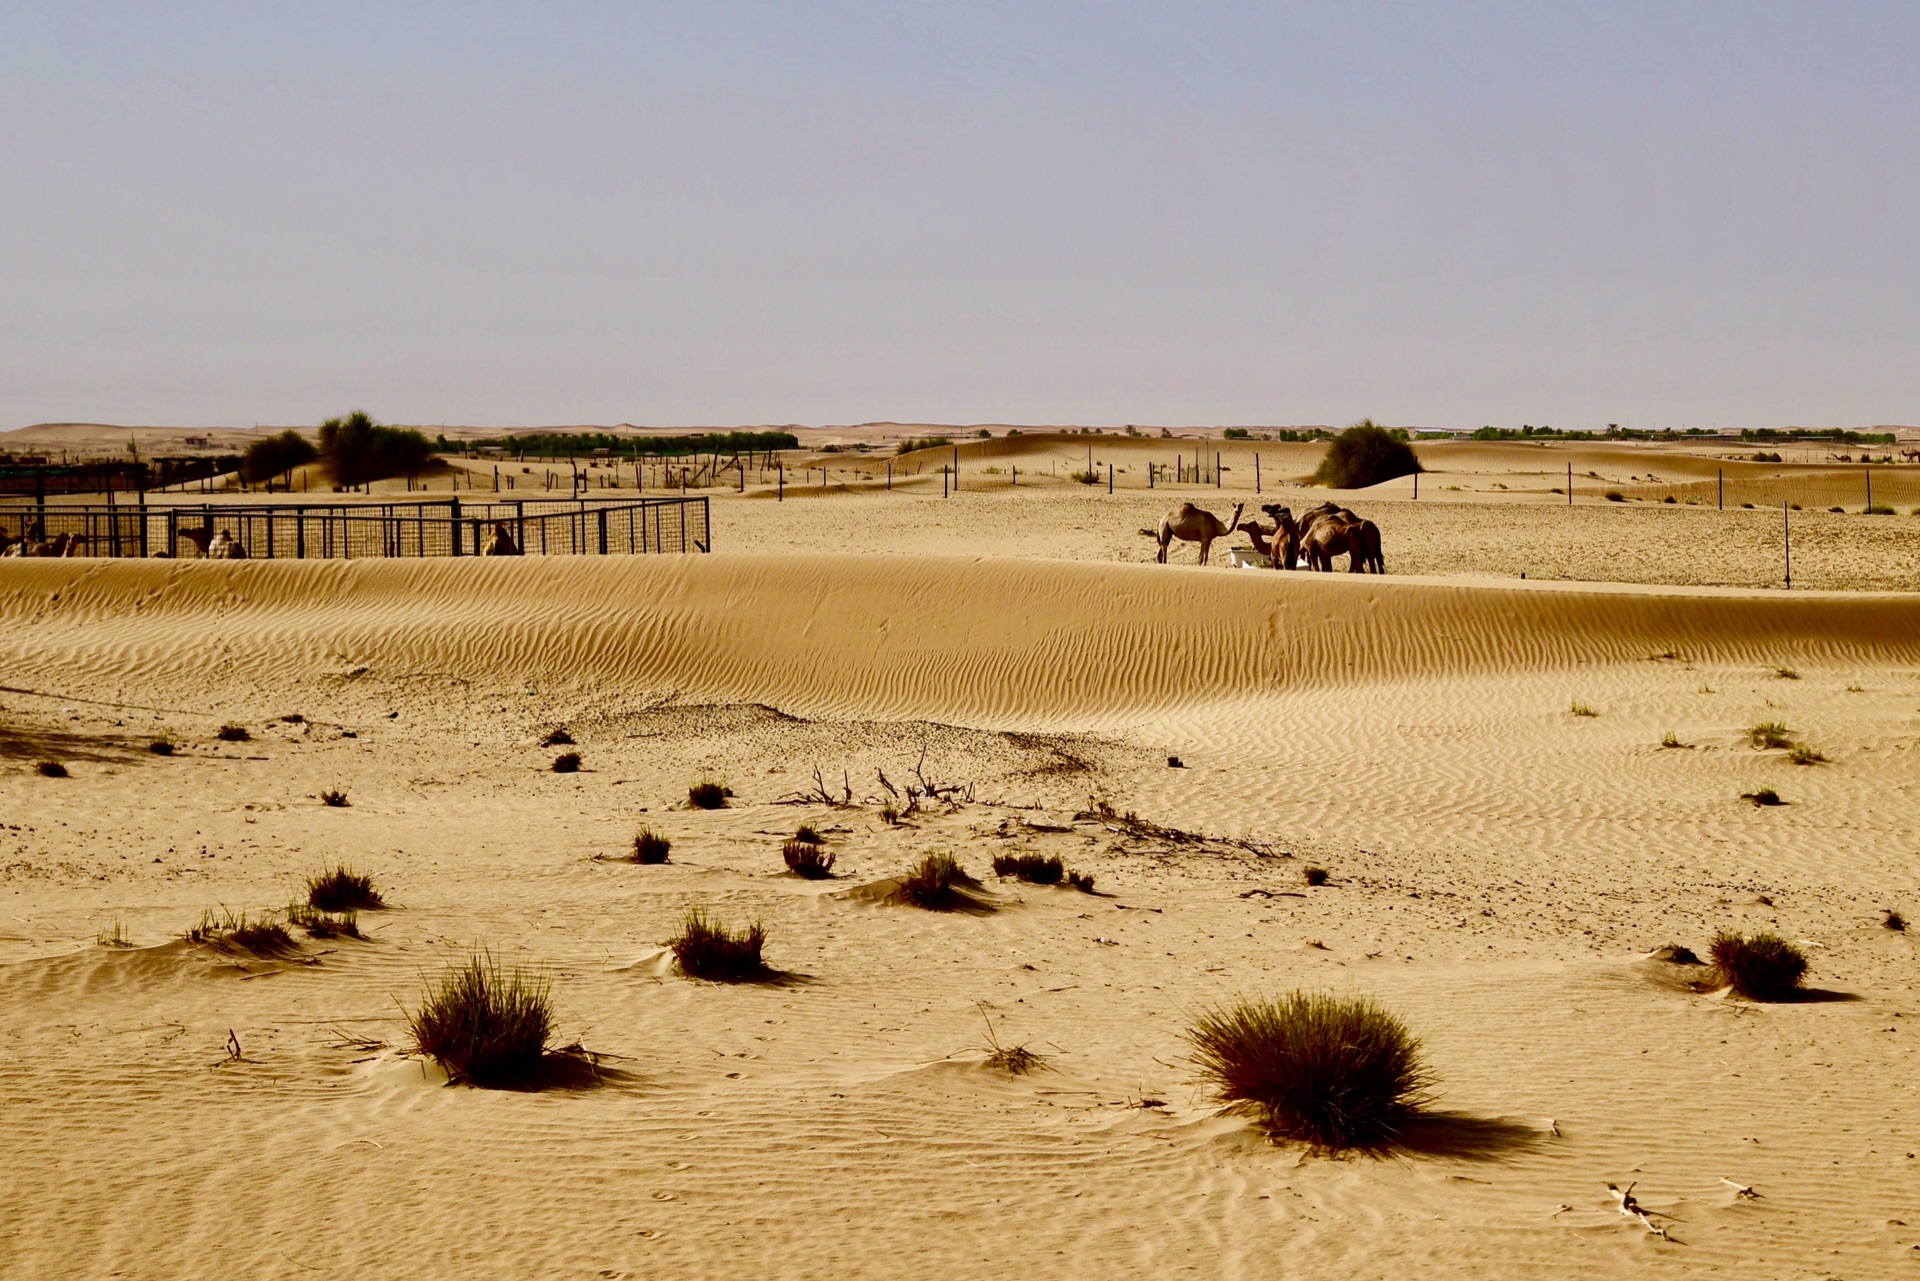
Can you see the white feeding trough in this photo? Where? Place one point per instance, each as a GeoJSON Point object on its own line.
{"type": "Point", "coordinates": [1248, 558]}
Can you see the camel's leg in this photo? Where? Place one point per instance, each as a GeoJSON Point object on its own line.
{"type": "Point", "coordinates": [1165, 538]}
{"type": "Point", "coordinates": [1206, 545]}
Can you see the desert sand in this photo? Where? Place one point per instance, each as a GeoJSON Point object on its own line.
{"type": "Point", "coordinates": [1501, 871]}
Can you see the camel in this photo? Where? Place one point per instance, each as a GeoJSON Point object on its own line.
{"type": "Point", "coordinates": [1285, 553]}
{"type": "Point", "coordinates": [500, 542]}
{"type": "Point", "coordinates": [28, 545]}
{"type": "Point", "coordinates": [1192, 524]}
{"type": "Point", "coordinates": [1330, 530]}
{"type": "Point", "coordinates": [220, 546]}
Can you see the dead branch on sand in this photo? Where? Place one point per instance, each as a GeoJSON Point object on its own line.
{"type": "Point", "coordinates": [1631, 1208]}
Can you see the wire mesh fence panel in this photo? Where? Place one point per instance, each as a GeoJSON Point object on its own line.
{"type": "Point", "coordinates": [356, 531]}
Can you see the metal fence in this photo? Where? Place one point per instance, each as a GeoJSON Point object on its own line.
{"type": "Point", "coordinates": [539, 527]}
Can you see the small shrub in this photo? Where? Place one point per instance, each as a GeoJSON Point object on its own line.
{"type": "Point", "coordinates": [1895, 922]}
{"type": "Point", "coordinates": [1838, 510]}
{"type": "Point", "coordinates": [1365, 454]}
{"type": "Point", "coordinates": [334, 798]}
{"type": "Point", "coordinates": [1035, 869]}
{"type": "Point", "coordinates": [1582, 709]}
{"type": "Point", "coordinates": [232, 734]}
{"type": "Point", "coordinates": [1786, 673]}
{"type": "Point", "coordinates": [650, 847]}
{"type": "Point", "coordinates": [1082, 881]}
{"type": "Point", "coordinates": [810, 861]}
{"type": "Point", "coordinates": [161, 747]}
{"type": "Point", "coordinates": [1671, 739]}
{"type": "Point", "coordinates": [1615, 496]}
{"type": "Point", "coordinates": [485, 1028]}
{"type": "Point", "coordinates": [1748, 506]}
{"type": "Point", "coordinates": [806, 835]}
{"type": "Point", "coordinates": [1316, 875]}
{"type": "Point", "coordinates": [1333, 1072]}
{"type": "Point", "coordinates": [1087, 477]}
{"type": "Point", "coordinates": [708, 796]}
{"type": "Point", "coordinates": [232, 933]}
{"type": "Point", "coordinates": [557, 737]}
{"type": "Point", "coordinates": [1765, 796]}
{"type": "Point", "coordinates": [1801, 754]}
{"type": "Point", "coordinates": [890, 814]}
{"type": "Point", "coordinates": [567, 763]}
{"type": "Point", "coordinates": [1669, 499]}
{"type": "Point", "coordinates": [114, 937]}
{"type": "Point", "coordinates": [706, 949]}
{"type": "Point", "coordinates": [931, 884]}
{"type": "Point", "coordinates": [1014, 1060]}
{"type": "Point", "coordinates": [1879, 509]}
{"type": "Point", "coordinates": [343, 890]}
{"type": "Point", "coordinates": [1768, 734]}
{"type": "Point", "coordinates": [1760, 967]}
{"type": "Point", "coordinates": [51, 769]}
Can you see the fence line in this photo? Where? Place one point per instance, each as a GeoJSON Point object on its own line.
{"type": "Point", "coordinates": [358, 530]}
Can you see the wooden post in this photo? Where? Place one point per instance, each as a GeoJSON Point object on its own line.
{"type": "Point", "coordinates": [889, 475]}
{"type": "Point", "coordinates": [1786, 530]}
{"type": "Point", "coordinates": [1109, 478]}
{"type": "Point", "coordinates": [943, 480]}
{"type": "Point", "coordinates": [1569, 484]}
{"type": "Point", "coordinates": [1720, 485]}
{"type": "Point", "coordinates": [1869, 472]}
{"type": "Point", "coordinates": [1256, 477]}
{"type": "Point", "coordinates": [956, 469]}
{"type": "Point", "coordinates": [1416, 487]}
{"type": "Point", "coordinates": [780, 469]}
{"type": "Point", "coordinates": [1216, 469]}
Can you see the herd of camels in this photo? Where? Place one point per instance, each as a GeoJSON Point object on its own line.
{"type": "Point", "coordinates": [1326, 531]}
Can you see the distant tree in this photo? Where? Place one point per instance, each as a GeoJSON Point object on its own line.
{"type": "Point", "coordinates": [359, 450]}
{"type": "Point", "coordinates": [1366, 454]}
{"type": "Point", "coordinates": [275, 456]}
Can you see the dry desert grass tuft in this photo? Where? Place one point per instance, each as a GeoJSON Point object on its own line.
{"type": "Point", "coordinates": [484, 1027]}
{"type": "Point", "coordinates": [649, 847]}
{"type": "Point", "coordinates": [806, 859]}
{"type": "Point", "coordinates": [567, 763]}
{"type": "Point", "coordinates": [50, 769]}
{"type": "Point", "coordinates": [1035, 869]}
{"type": "Point", "coordinates": [231, 733]}
{"type": "Point", "coordinates": [708, 795]}
{"type": "Point", "coordinates": [707, 949]}
{"type": "Point", "coordinates": [931, 884]}
{"type": "Point", "coordinates": [1336, 1073]}
{"type": "Point", "coordinates": [334, 798]}
{"type": "Point", "coordinates": [343, 890]}
{"type": "Point", "coordinates": [1760, 967]}
{"type": "Point", "coordinates": [231, 933]}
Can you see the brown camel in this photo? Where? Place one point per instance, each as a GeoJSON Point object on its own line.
{"type": "Point", "coordinates": [220, 546]}
{"type": "Point", "coordinates": [62, 545]}
{"type": "Point", "coordinates": [499, 542]}
{"type": "Point", "coordinates": [1192, 524]}
{"type": "Point", "coordinates": [1286, 536]}
{"type": "Point", "coordinates": [1330, 530]}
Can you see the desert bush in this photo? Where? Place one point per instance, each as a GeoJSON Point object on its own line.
{"type": "Point", "coordinates": [1838, 510]}
{"type": "Point", "coordinates": [343, 890]}
{"type": "Point", "coordinates": [910, 444]}
{"type": "Point", "coordinates": [1894, 921]}
{"type": "Point", "coordinates": [1315, 875]}
{"type": "Point", "coordinates": [1786, 673]}
{"type": "Point", "coordinates": [1337, 1073]}
{"type": "Point", "coordinates": [1671, 739]}
{"type": "Point", "coordinates": [334, 798]}
{"type": "Point", "coordinates": [117, 936]}
{"type": "Point", "coordinates": [1035, 869]}
{"type": "Point", "coordinates": [1582, 709]}
{"type": "Point", "coordinates": [232, 734]}
{"type": "Point", "coordinates": [276, 456]}
{"type": "Point", "coordinates": [324, 925]}
{"type": "Point", "coordinates": [567, 763]}
{"type": "Point", "coordinates": [708, 795]}
{"type": "Point", "coordinates": [810, 861]}
{"type": "Point", "coordinates": [890, 814]}
{"type": "Point", "coordinates": [358, 450]}
{"type": "Point", "coordinates": [231, 933]}
{"type": "Point", "coordinates": [1365, 454]}
{"type": "Point", "coordinates": [1760, 967]}
{"type": "Point", "coordinates": [650, 847]}
{"type": "Point", "coordinates": [1801, 754]}
{"type": "Point", "coordinates": [1615, 496]}
{"type": "Point", "coordinates": [806, 834]}
{"type": "Point", "coordinates": [931, 883]}
{"type": "Point", "coordinates": [484, 1027]}
{"type": "Point", "coordinates": [1765, 796]}
{"type": "Point", "coordinates": [1082, 881]}
{"type": "Point", "coordinates": [706, 949]}
{"type": "Point", "coordinates": [557, 737]}
{"type": "Point", "coordinates": [1769, 734]}
{"type": "Point", "coordinates": [1878, 509]}
{"type": "Point", "coordinates": [161, 747]}
{"type": "Point", "coordinates": [50, 769]}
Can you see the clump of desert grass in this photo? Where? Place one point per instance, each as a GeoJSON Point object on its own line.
{"type": "Point", "coordinates": [324, 925]}
{"type": "Point", "coordinates": [1014, 1060]}
{"type": "Point", "coordinates": [231, 733]}
{"type": "Point", "coordinates": [1315, 875]}
{"type": "Point", "coordinates": [1763, 796]}
{"type": "Point", "coordinates": [934, 883]}
{"type": "Point", "coordinates": [342, 889]}
{"type": "Point", "coordinates": [649, 847]}
{"type": "Point", "coordinates": [1672, 740]}
{"type": "Point", "coordinates": [557, 737]}
{"type": "Point", "coordinates": [1767, 734]}
{"type": "Point", "coordinates": [485, 1027]}
{"type": "Point", "coordinates": [1582, 709]}
{"type": "Point", "coordinates": [1786, 674]}
{"type": "Point", "coordinates": [1894, 921]}
{"type": "Point", "coordinates": [114, 936]}
{"type": "Point", "coordinates": [806, 859]}
{"type": "Point", "coordinates": [890, 814]}
{"type": "Point", "coordinates": [1034, 869]}
{"type": "Point", "coordinates": [707, 949]}
{"type": "Point", "coordinates": [229, 932]}
{"type": "Point", "coordinates": [708, 795]}
{"type": "Point", "coordinates": [50, 769]}
{"type": "Point", "coordinates": [1082, 881]}
{"type": "Point", "coordinates": [1336, 1073]}
{"type": "Point", "coordinates": [567, 763]}
{"type": "Point", "coordinates": [1802, 754]}
{"type": "Point", "coordinates": [1760, 967]}
{"type": "Point", "coordinates": [334, 798]}
{"type": "Point", "coordinates": [161, 747]}
{"type": "Point", "coordinates": [807, 834]}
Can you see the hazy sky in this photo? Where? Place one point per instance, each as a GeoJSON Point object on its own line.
{"type": "Point", "coordinates": [1437, 213]}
